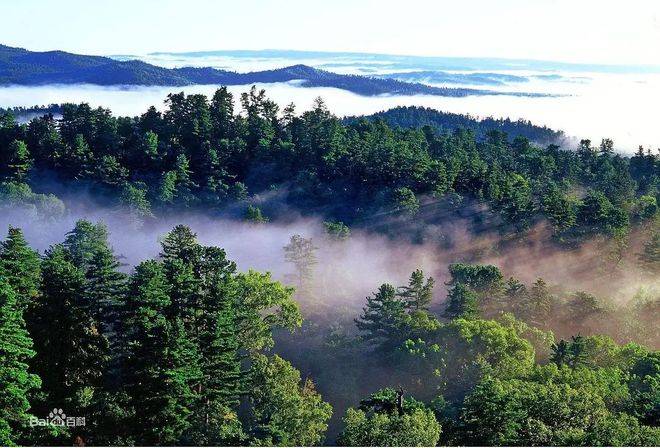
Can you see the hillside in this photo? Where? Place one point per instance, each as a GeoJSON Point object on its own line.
{"type": "Point", "coordinates": [415, 117]}
{"type": "Point", "coordinates": [23, 67]}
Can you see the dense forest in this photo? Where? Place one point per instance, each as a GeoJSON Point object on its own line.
{"type": "Point", "coordinates": [188, 349]}
{"type": "Point", "coordinates": [416, 117]}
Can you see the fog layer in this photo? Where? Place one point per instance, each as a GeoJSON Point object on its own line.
{"type": "Point", "coordinates": [621, 107]}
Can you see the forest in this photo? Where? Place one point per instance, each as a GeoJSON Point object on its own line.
{"type": "Point", "coordinates": [186, 348]}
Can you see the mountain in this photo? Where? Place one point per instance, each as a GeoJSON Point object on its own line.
{"type": "Point", "coordinates": [441, 77]}
{"type": "Point", "coordinates": [415, 117]}
{"type": "Point", "coordinates": [407, 62]}
{"type": "Point", "coordinates": [23, 67]}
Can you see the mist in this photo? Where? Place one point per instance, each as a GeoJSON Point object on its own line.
{"type": "Point", "coordinates": [350, 270]}
{"type": "Point", "coordinates": [621, 107]}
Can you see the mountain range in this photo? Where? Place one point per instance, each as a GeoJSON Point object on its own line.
{"type": "Point", "coordinates": [19, 66]}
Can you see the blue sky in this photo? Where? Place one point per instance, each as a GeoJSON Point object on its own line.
{"type": "Point", "coordinates": [619, 32]}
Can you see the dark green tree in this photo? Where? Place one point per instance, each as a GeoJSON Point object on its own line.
{"type": "Point", "coordinates": [16, 380]}
{"type": "Point", "coordinates": [21, 267]}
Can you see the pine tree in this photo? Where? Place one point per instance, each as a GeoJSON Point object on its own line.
{"type": "Point", "coordinates": [21, 266]}
{"type": "Point", "coordinates": [301, 252]}
{"type": "Point", "coordinates": [72, 353]}
{"type": "Point", "coordinates": [216, 418]}
{"type": "Point", "coordinates": [90, 252]}
{"type": "Point", "coordinates": [181, 243]}
{"type": "Point", "coordinates": [18, 161]}
{"type": "Point", "coordinates": [462, 302]}
{"type": "Point", "coordinates": [162, 363]}
{"type": "Point", "coordinates": [417, 295]}
{"type": "Point", "coordinates": [16, 382]}
{"type": "Point", "coordinates": [538, 305]}
{"type": "Point", "coordinates": [381, 319]}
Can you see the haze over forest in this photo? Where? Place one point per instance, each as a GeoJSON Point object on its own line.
{"type": "Point", "coordinates": [312, 247]}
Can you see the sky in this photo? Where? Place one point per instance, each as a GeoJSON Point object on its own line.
{"type": "Point", "coordinates": [590, 31]}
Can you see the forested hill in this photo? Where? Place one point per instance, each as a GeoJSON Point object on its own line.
{"type": "Point", "coordinates": [415, 117]}
{"type": "Point", "coordinates": [23, 67]}
{"type": "Point", "coordinates": [200, 154]}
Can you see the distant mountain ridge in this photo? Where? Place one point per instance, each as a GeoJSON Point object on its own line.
{"type": "Point", "coordinates": [24, 67]}
{"type": "Point", "coordinates": [415, 62]}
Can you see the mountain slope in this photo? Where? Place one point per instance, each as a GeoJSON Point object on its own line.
{"type": "Point", "coordinates": [415, 117]}
{"type": "Point", "coordinates": [23, 67]}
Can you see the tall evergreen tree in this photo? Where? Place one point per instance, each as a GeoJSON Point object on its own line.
{"type": "Point", "coordinates": [462, 301]}
{"type": "Point", "coordinates": [162, 364]}
{"type": "Point", "coordinates": [16, 380]}
{"type": "Point", "coordinates": [21, 266]}
{"type": "Point", "coordinates": [72, 353]}
{"type": "Point", "coordinates": [418, 294]}
{"type": "Point", "coordinates": [301, 253]}
{"type": "Point", "coordinates": [381, 319]}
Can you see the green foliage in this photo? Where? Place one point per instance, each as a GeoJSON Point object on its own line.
{"type": "Point", "coordinates": [16, 350]}
{"type": "Point", "coordinates": [337, 230]}
{"type": "Point", "coordinates": [387, 419]}
{"type": "Point", "coordinates": [417, 295]}
{"type": "Point", "coordinates": [254, 215]}
{"type": "Point", "coordinates": [649, 258]}
{"type": "Point", "coordinates": [301, 253]}
{"type": "Point", "coordinates": [284, 411]}
{"type": "Point", "coordinates": [198, 154]}
{"type": "Point", "coordinates": [39, 206]}
{"type": "Point", "coordinates": [405, 201]}
{"type": "Point", "coordinates": [16, 162]}
{"type": "Point", "coordinates": [72, 353]}
{"type": "Point", "coordinates": [551, 407]}
{"type": "Point", "coordinates": [20, 266]}
{"type": "Point", "coordinates": [382, 317]}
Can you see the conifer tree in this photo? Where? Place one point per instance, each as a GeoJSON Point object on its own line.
{"type": "Point", "coordinates": [16, 381]}
{"type": "Point", "coordinates": [21, 266]}
{"type": "Point", "coordinates": [72, 353]}
{"type": "Point", "coordinates": [417, 295]}
{"type": "Point", "coordinates": [18, 161]}
{"type": "Point", "coordinates": [162, 363]}
{"type": "Point", "coordinates": [381, 319]}
{"type": "Point", "coordinates": [301, 252]}
{"type": "Point", "coordinates": [462, 301]}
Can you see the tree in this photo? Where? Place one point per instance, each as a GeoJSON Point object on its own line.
{"type": "Point", "coordinates": [77, 161]}
{"type": "Point", "coordinates": [405, 201]}
{"type": "Point", "coordinates": [72, 353]}
{"type": "Point", "coordinates": [110, 172]}
{"type": "Point", "coordinates": [462, 302]}
{"type": "Point", "coordinates": [551, 406]}
{"type": "Point", "coordinates": [517, 200]}
{"type": "Point", "coordinates": [560, 210]}
{"type": "Point", "coordinates": [301, 252]}
{"type": "Point", "coordinates": [134, 198]}
{"type": "Point", "coordinates": [16, 350]}
{"type": "Point", "coordinates": [183, 193]}
{"type": "Point", "coordinates": [417, 295]}
{"type": "Point", "coordinates": [17, 161]}
{"type": "Point", "coordinates": [254, 215]}
{"type": "Point", "coordinates": [571, 353]}
{"type": "Point", "coordinates": [90, 252]}
{"type": "Point", "coordinates": [21, 267]}
{"type": "Point", "coordinates": [538, 305]}
{"type": "Point", "coordinates": [649, 258]}
{"type": "Point", "coordinates": [284, 411]}
{"type": "Point", "coordinates": [387, 419]}
{"type": "Point", "coordinates": [382, 318]}
{"type": "Point", "coordinates": [162, 364]}
{"type": "Point", "coordinates": [337, 230]}
{"type": "Point", "coordinates": [597, 214]}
